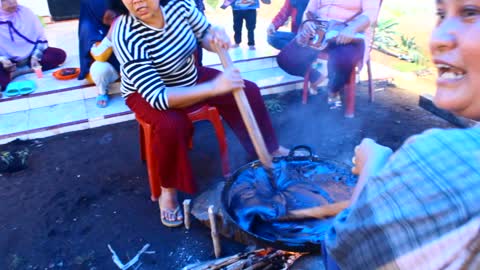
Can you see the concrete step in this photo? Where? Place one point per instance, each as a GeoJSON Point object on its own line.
{"type": "Point", "coordinates": [82, 113]}
{"type": "Point", "coordinates": [51, 91]}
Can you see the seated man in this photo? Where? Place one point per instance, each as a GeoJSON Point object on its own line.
{"type": "Point", "coordinates": [97, 63]}
{"type": "Point", "coordinates": [409, 202]}
{"type": "Point", "coordinates": [293, 9]}
{"type": "Point", "coordinates": [23, 45]}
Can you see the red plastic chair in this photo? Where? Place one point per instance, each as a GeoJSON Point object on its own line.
{"type": "Point", "coordinates": [206, 112]}
{"type": "Point", "coordinates": [350, 86]}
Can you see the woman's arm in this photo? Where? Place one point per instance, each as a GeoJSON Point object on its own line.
{"type": "Point", "coordinates": [369, 159]}
{"type": "Point", "coordinates": [216, 37]}
{"type": "Point", "coordinates": [103, 51]}
{"type": "Point", "coordinates": [359, 24]}
{"type": "Point", "coordinates": [229, 80]}
{"type": "Point", "coordinates": [282, 15]}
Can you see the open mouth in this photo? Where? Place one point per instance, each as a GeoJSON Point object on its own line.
{"type": "Point", "coordinates": [449, 72]}
{"type": "Point", "coordinates": [141, 9]}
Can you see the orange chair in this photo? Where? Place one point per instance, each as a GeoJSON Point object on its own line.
{"type": "Point", "coordinates": [145, 132]}
{"type": "Point", "coordinates": [350, 86]}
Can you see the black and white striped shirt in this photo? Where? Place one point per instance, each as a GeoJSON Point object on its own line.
{"type": "Point", "coordinates": [154, 59]}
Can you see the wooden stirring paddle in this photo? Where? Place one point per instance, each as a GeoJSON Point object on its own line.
{"type": "Point", "coordinates": [319, 212]}
{"type": "Point", "coordinates": [247, 116]}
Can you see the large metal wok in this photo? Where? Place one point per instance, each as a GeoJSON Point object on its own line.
{"type": "Point", "coordinates": [252, 203]}
{"type": "Point", "coordinates": [303, 181]}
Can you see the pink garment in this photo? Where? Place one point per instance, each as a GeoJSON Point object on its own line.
{"type": "Point", "coordinates": [342, 10]}
{"type": "Point", "coordinates": [20, 31]}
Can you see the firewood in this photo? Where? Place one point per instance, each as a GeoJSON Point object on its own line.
{"type": "Point", "coordinates": [186, 212]}
{"type": "Point", "coordinates": [221, 262]}
{"type": "Point", "coordinates": [215, 236]}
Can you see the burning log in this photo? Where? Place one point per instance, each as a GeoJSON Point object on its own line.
{"type": "Point", "coordinates": [261, 259]}
{"type": "Point", "coordinates": [219, 263]}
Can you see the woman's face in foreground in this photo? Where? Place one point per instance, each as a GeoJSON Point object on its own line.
{"type": "Point", "coordinates": [145, 10]}
{"type": "Point", "coordinates": [455, 47]}
{"type": "Point", "coordinates": [9, 5]}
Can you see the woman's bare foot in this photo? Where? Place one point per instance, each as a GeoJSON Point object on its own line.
{"type": "Point", "coordinates": [280, 152]}
{"type": "Point", "coordinates": [170, 212]}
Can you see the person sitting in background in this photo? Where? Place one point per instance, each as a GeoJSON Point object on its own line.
{"type": "Point", "coordinates": [96, 60]}
{"type": "Point", "coordinates": [293, 9]}
{"type": "Point", "coordinates": [407, 205]}
{"type": "Point", "coordinates": [344, 52]}
{"type": "Point", "coordinates": [23, 45]}
{"type": "Point", "coordinates": [154, 42]}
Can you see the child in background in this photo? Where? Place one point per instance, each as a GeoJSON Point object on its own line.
{"type": "Point", "coordinates": [97, 63]}
{"type": "Point", "coordinates": [244, 10]}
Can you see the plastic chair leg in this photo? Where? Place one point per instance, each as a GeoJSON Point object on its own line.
{"type": "Point", "coordinates": [306, 79]}
{"type": "Point", "coordinates": [141, 135]}
{"type": "Point", "coordinates": [214, 118]}
{"type": "Point", "coordinates": [371, 94]}
{"type": "Point", "coordinates": [146, 151]}
{"type": "Point", "coordinates": [350, 96]}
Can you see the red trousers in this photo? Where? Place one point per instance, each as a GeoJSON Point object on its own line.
{"type": "Point", "coordinates": [52, 58]}
{"type": "Point", "coordinates": [173, 130]}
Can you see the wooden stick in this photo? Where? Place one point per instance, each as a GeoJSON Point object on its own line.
{"type": "Point", "coordinates": [215, 236]}
{"type": "Point", "coordinates": [247, 116]}
{"type": "Point", "coordinates": [186, 213]}
{"type": "Point", "coordinates": [323, 211]}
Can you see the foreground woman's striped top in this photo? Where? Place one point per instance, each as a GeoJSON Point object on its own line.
{"type": "Point", "coordinates": [154, 59]}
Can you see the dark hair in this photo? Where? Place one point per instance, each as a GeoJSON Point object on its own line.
{"type": "Point", "coordinates": [119, 7]}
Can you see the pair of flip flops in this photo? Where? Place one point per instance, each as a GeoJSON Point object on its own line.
{"type": "Point", "coordinates": [172, 223]}
{"type": "Point", "coordinates": [20, 88]}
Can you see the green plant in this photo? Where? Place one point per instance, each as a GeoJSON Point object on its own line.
{"type": "Point", "coordinates": [385, 34]}
{"type": "Point", "coordinates": [410, 51]}
{"type": "Point", "coordinates": [213, 3]}
{"type": "Point", "coordinates": [404, 47]}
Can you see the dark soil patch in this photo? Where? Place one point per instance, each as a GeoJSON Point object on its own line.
{"type": "Point", "coordinates": [85, 190]}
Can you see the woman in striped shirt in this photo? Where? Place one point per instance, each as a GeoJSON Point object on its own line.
{"type": "Point", "coordinates": [154, 43]}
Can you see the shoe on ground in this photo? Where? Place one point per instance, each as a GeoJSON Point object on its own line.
{"type": "Point", "coordinates": [235, 45]}
{"type": "Point", "coordinates": [334, 102]}
{"type": "Point", "coordinates": [102, 100]}
{"type": "Point", "coordinates": [252, 48]}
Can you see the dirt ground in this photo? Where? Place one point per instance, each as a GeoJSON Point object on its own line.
{"type": "Point", "coordinates": [87, 189]}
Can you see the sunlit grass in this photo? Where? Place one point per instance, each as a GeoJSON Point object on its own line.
{"type": "Point", "coordinates": [407, 66]}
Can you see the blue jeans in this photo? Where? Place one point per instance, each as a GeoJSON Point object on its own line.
{"type": "Point", "coordinates": [279, 39]}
